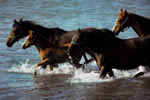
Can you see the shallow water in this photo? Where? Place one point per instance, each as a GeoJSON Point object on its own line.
{"type": "Point", "coordinates": [65, 83]}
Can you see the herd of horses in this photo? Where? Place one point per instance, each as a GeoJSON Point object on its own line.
{"type": "Point", "coordinates": [57, 46]}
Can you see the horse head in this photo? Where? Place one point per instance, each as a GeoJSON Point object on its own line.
{"type": "Point", "coordinates": [122, 22]}
{"type": "Point", "coordinates": [30, 40]}
{"type": "Point", "coordinates": [79, 38]}
{"type": "Point", "coordinates": [16, 33]}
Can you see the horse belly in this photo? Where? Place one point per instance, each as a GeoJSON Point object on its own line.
{"type": "Point", "coordinates": [123, 61]}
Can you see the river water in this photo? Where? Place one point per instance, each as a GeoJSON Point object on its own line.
{"type": "Point", "coordinates": [65, 83]}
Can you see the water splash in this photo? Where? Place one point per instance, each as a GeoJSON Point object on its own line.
{"type": "Point", "coordinates": [93, 76]}
{"type": "Point", "coordinates": [26, 67]}
{"type": "Point", "coordinates": [79, 76]}
{"type": "Point", "coordinates": [87, 77]}
{"type": "Point", "coordinates": [22, 67]}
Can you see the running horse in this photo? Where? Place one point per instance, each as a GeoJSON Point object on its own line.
{"type": "Point", "coordinates": [55, 36]}
{"type": "Point", "coordinates": [56, 54]}
{"type": "Point", "coordinates": [140, 24]}
{"type": "Point", "coordinates": [124, 54]}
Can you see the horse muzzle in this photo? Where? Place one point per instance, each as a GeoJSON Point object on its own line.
{"type": "Point", "coordinates": [9, 44]}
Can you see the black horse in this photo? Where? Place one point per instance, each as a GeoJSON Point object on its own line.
{"type": "Point", "coordinates": [117, 53]}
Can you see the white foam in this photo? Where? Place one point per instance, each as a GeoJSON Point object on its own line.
{"type": "Point", "coordinates": [83, 77]}
{"type": "Point", "coordinates": [21, 68]}
{"type": "Point", "coordinates": [78, 75]}
{"type": "Point", "coordinates": [25, 67]}
{"type": "Point", "coordinates": [93, 76]}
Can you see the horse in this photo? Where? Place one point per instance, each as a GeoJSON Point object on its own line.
{"type": "Point", "coordinates": [55, 36]}
{"type": "Point", "coordinates": [139, 24]}
{"type": "Point", "coordinates": [124, 54]}
{"type": "Point", "coordinates": [52, 54]}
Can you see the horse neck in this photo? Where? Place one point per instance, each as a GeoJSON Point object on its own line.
{"type": "Point", "coordinates": [139, 24]}
{"type": "Point", "coordinates": [42, 46]}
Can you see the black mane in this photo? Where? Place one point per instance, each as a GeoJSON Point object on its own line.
{"type": "Point", "coordinates": [52, 33]}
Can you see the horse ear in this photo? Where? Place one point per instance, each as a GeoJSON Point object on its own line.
{"type": "Point", "coordinates": [125, 11]}
{"type": "Point", "coordinates": [121, 10]}
{"type": "Point", "coordinates": [79, 30]}
{"type": "Point", "coordinates": [21, 19]}
{"type": "Point", "coordinates": [15, 21]}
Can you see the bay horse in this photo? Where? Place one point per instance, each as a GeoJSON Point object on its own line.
{"type": "Point", "coordinates": [124, 54]}
{"type": "Point", "coordinates": [140, 24]}
{"type": "Point", "coordinates": [52, 54]}
{"type": "Point", "coordinates": [55, 36]}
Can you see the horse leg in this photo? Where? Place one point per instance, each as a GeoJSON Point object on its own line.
{"type": "Point", "coordinates": [141, 71]}
{"type": "Point", "coordinates": [50, 67]}
{"type": "Point", "coordinates": [43, 63]}
{"type": "Point", "coordinates": [104, 71]}
{"type": "Point", "coordinates": [91, 54]}
{"type": "Point", "coordinates": [86, 60]}
{"type": "Point", "coordinates": [111, 73]}
{"type": "Point", "coordinates": [99, 58]}
{"type": "Point", "coordinates": [139, 74]}
{"type": "Point", "coordinates": [74, 56]}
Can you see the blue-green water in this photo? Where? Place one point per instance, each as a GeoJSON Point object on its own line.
{"type": "Point", "coordinates": [16, 79]}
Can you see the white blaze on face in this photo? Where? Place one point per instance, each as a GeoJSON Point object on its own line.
{"type": "Point", "coordinates": [114, 25]}
{"type": "Point", "coordinates": [25, 41]}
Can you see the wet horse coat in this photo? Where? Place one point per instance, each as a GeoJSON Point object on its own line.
{"type": "Point", "coordinates": [55, 54]}
{"type": "Point", "coordinates": [55, 36]}
{"type": "Point", "coordinates": [140, 24]}
{"type": "Point", "coordinates": [117, 53]}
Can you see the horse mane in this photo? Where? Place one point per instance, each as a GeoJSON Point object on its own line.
{"type": "Point", "coordinates": [144, 19]}
{"type": "Point", "coordinates": [51, 34]}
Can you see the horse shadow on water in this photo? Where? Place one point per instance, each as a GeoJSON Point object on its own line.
{"type": "Point", "coordinates": [124, 54]}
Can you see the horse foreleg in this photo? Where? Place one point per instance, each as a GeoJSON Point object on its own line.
{"type": "Point", "coordinates": [111, 73]}
{"type": "Point", "coordinates": [104, 71]}
{"type": "Point", "coordinates": [50, 67]}
{"type": "Point", "coordinates": [98, 60]}
{"type": "Point", "coordinates": [43, 63]}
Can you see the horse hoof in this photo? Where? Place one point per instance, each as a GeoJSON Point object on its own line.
{"type": "Point", "coordinates": [102, 76]}
{"type": "Point", "coordinates": [139, 74]}
{"type": "Point", "coordinates": [35, 73]}
{"type": "Point", "coordinates": [83, 68]}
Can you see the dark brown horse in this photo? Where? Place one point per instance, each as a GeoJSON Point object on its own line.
{"type": "Point", "coordinates": [52, 54]}
{"type": "Point", "coordinates": [140, 25]}
{"type": "Point", "coordinates": [54, 36]}
{"type": "Point", "coordinates": [117, 53]}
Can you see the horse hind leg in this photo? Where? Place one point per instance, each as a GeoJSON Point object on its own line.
{"type": "Point", "coordinates": [43, 63]}
{"type": "Point", "coordinates": [104, 71]}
